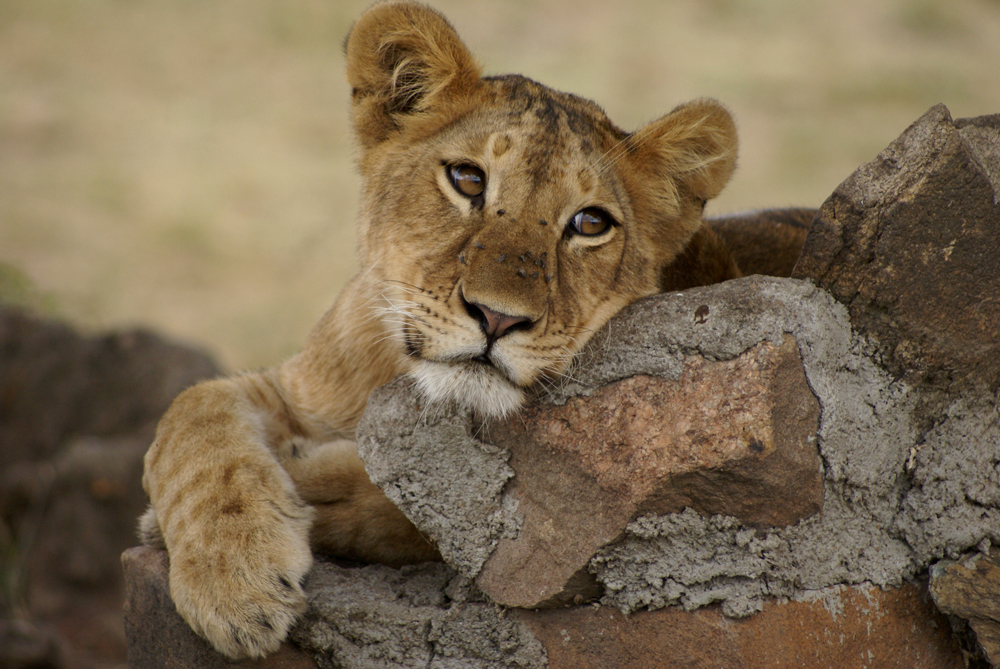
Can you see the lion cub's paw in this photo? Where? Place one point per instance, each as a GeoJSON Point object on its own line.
{"type": "Point", "coordinates": [243, 595]}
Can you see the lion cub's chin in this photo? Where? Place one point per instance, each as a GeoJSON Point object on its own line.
{"type": "Point", "coordinates": [480, 388]}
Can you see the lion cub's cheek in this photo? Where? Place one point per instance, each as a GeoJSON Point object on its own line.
{"type": "Point", "coordinates": [474, 387]}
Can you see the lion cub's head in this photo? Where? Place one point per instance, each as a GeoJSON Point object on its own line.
{"type": "Point", "coordinates": [503, 222]}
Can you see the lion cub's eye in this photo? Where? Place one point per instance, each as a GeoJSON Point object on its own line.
{"type": "Point", "coordinates": [591, 222]}
{"type": "Point", "coordinates": [468, 180]}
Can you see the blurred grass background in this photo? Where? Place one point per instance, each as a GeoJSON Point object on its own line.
{"type": "Point", "coordinates": [187, 164]}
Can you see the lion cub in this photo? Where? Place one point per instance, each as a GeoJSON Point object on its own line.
{"type": "Point", "coordinates": [501, 223]}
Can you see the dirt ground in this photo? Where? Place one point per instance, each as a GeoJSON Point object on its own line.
{"type": "Point", "coordinates": [188, 165]}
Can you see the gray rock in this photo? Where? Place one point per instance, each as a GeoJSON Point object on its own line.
{"type": "Point", "coordinates": [429, 462]}
{"type": "Point", "coordinates": [378, 617]}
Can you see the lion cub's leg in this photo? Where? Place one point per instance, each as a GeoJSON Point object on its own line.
{"type": "Point", "coordinates": [354, 518]}
{"type": "Point", "coordinates": [236, 531]}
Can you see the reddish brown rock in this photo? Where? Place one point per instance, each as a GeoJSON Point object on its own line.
{"type": "Point", "coordinates": [859, 627]}
{"type": "Point", "coordinates": [733, 437]}
{"type": "Point", "coordinates": [159, 637]}
{"type": "Point", "coordinates": [970, 589]}
{"type": "Point", "coordinates": [910, 243]}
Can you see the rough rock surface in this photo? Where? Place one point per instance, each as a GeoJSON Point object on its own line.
{"type": "Point", "coordinates": [77, 413]}
{"type": "Point", "coordinates": [760, 464]}
{"type": "Point", "coordinates": [881, 504]}
{"type": "Point", "coordinates": [910, 464]}
{"type": "Point", "coordinates": [462, 508]}
{"type": "Point", "coordinates": [428, 616]}
{"type": "Point", "coordinates": [423, 616]}
{"type": "Point", "coordinates": [970, 589]}
{"type": "Point", "coordinates": [735, 437]}
{"type": "Point", "coordinates": [910, 244]}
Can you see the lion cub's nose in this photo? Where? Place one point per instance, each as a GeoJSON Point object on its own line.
{"type": "Point", "coordinates": [493, 323]}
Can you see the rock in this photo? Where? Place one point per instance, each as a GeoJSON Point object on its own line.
{"type": "Point", "coordinates": [448, 481]}
{"type": "Point", "coordinates": [92, 501]}
{"type": "Point", "coordinates": [910, 243]}
{"type": "Point", "coordinates": [896, 497]}
{"type": "Point", "coordinates": [419, 616]}
{"type": "Point", "coordinates": [970, 589]}
{"type": "Point", "coordinates": [79, 510]}
{"type": "Point", "coordinates": [56, 383]}
{"type": "Point", "coordinates": [735, 437]}
{"type": "Point", "coordinates": [159, 637]}
{"type": "Point", "coordinates": [844, 627]}
{"type": "Point", "coordinates": [25, 645]}
{"type": "Point", "coordinates": [427, 616]}
{"type": "Point", "coordinates": [76, 416]}
{"type": "Point", "coordinates": [372, 616]}
{"type": "Point", "coordinates": [637, 446]}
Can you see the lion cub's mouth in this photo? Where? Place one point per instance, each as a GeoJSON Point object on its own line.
{"type": "Point", "coordinates": [479, 384]}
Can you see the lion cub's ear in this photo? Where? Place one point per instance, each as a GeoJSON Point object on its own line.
{"type": "Point", "coordinates": [403, 60]}
{"type": "Point", "coordinates": [690, 153]}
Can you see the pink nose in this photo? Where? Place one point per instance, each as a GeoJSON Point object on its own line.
{"type": "Point", "coordinates": [493, 323]}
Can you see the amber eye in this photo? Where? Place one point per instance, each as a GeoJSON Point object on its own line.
{"type": "Point", "coordinates": [591, 222]}
{"type": "Point", "coordinates": [468, 180]}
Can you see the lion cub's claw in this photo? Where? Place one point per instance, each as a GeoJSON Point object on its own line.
{"type": "Point", "coordinates": [244, 617]}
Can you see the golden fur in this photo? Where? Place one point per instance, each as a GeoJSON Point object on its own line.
{"type": "Point", "coordinates": [478, 295]}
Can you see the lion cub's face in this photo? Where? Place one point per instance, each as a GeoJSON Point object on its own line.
{"type": "Point", "coordinates": [505, 222]}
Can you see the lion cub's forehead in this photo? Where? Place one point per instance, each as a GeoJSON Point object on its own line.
{"type": "Point", "coordinates": [544, 123]}
{"type": "Point", "coordinates": [547, 135]}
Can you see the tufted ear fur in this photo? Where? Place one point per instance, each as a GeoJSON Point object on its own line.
{"type": "Point", "coordinates": [404, 60]}
{"type": "Point", "coordinates": [691, 152]}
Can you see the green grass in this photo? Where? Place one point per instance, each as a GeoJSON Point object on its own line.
{"type": "Point", "coordinates": [187, 165]}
